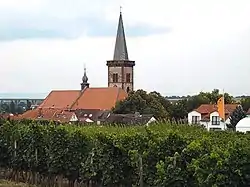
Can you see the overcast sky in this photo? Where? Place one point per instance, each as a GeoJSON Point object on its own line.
{"type": "Point", "coordinates": [180, 47]}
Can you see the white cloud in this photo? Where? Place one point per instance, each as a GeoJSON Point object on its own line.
{"type": "Point", "coordinates": [207, 48]}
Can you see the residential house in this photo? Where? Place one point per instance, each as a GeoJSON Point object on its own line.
{"type": "Point", "coordinates": [208, 116]}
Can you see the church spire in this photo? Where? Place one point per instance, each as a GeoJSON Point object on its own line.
{"type": "Point", "coordinates": [121, 69]}
{"type": "Point", "coordinates": [121, 52]}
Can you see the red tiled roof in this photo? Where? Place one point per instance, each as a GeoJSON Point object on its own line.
{"type": "Point", "coordinates": [206, 108]}
{"type": "Point", "coordinates": [48, 114]}
{"type": "Point", "coordinates": [229, 108]}
{"type": "Point", "coordinates": [90, 98]}
{"type": "Point", "coordinates": [209, 108]}
{"type": "Point", "coordinates": [60, 99]}
{"type": "Point", "coordinates": [30, 114]}
{"type": "Point", "coordinates": [99, 98]}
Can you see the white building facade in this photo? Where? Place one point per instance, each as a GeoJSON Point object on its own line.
{"type": "Point", "coordinates": [208, 116]}
{"type": "Point", "coordinates": [212, 123]}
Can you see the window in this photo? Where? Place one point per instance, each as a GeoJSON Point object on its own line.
{"type": "Point", "coordinates": [128, 89]}
{"type": "Point", "coordinates": [128, 77]}
{"type": "Point", "coordinates": [215, 120]}
{"type": "Point", "coordinates": [115, 77]}
{"type": "Point", "coordinates": [195, 119]}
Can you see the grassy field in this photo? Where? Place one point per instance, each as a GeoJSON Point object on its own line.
{"type": "Point", "coordinates": [4, 183]}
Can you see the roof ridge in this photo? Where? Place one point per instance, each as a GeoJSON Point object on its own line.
{"type": "Point", "coordinates": [65, 91]}
{"type": "Point", "coordinates": [103, 88]}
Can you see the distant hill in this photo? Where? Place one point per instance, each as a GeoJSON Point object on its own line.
{"type": "Point", "coordinates": [23, 95]}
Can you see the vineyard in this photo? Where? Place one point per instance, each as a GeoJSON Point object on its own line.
{"type": "Point", "coordinates": [158, 155]}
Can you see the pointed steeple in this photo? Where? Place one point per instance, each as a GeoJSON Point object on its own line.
{"type": "Point", "coordinates": [121, 52]}
{"type": "Point", "coordinates": [121, 69]}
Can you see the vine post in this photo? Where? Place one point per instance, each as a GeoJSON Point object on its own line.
{"type": "Point", "coordinates": [140, 171]}
{"type": "Point", "coordinates": [36, 157]}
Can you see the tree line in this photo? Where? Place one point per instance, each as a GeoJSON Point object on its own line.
{"type": "Point", "coordinates": [154, 103]}
{"type": "Point", "coordinates": [14, 108]}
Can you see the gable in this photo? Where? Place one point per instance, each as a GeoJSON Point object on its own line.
{"type": "Point", "coordinates": [73, 117]}
{"type": "Point", "coordinates": [151, 120]}
{"type": "Point", "coordinates": [215, 113]}
{"type": "Point", "coordinates": [194, 113]}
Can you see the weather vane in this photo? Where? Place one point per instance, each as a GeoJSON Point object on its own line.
{"type": "Point", "coordinates": [120, 9]}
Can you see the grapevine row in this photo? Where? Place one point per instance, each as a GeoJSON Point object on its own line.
{"type": "Point", "coordinates": [158, 155]}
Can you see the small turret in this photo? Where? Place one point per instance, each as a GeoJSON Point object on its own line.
{"type": "Point", "coordinates": [84, 83]}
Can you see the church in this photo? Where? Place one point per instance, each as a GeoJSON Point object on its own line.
{"type": "Point", "coordinates": [120, 83]}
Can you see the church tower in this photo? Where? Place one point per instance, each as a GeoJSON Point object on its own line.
{"type": "Point", "coordinates": [121, 69]}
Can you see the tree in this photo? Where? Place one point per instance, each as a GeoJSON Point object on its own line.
{"type": "Point", "coordinates": [155, 103]}
{"type": "Point", "coordinates": [5, 108]}
{"type": "Point", "coordinates": [12, 107]}
{"type": "Point", "coordinates": [19, 110]}
{"type": "Point", "coordinates": [228, 98]}
{"type": "Point", "coordinates": [179, 109]}
{"type": "Point", "coordinates": [235, 117]}
{"type": "Point", "coordinates": [28, 107]}
{"type": "Point", "coordinates": [197, 100]}
{"type": "Point", "coordinates": [165, 103]}
{"type": "Point", "coordinates": [140, 101]}
{"type": "Point", "coordinates": [215, 95]}
{"type": "Point", "coordinates": [245, 103]}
